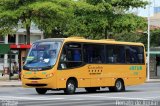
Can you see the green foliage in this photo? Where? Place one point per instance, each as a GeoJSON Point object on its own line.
{"type": "Point", "coordinates": [46, 14]}
{"type": "Point", "coordinates": [51, 15]}
{"type": "Point", "coordinates": [140, 37]}
{"type": "Point", "coordinates": [99, 18]}
{"type": "Point", "coordinates": [90, 18]}
{"type": "Point", "coordinates": [155, 38]}
{"type": "Point", "coordinates": [128, 23]}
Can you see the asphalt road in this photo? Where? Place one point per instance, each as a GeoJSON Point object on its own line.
{"type": "Point", "coordinates": [147, 94]}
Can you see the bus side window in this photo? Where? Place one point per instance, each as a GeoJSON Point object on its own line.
{"type": "Point", "coordinates": [71, 56]}
{"type": "Point", "coordinates": [134, 54]}
{"type": "Point", "coordinates": [77, 55]}
{"type": "Point", "coordinates": [127, 56]}
{"type": "Point", "coordinates": [93, 53]}
{"type": "Point", "coordinates": [115, 54]}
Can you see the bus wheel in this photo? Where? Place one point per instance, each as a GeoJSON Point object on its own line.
{"type": "Point", "coordinates": [41, 90]}
{"type": "Point", "coordinates": [119, 86]}
{"type": "Point", "coordinates": [91, 90]}
{"type": "Point", "coordinates": [70, 87]}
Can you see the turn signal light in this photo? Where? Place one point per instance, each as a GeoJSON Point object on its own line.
{"type": "Point", "coordinates": [49, 75]}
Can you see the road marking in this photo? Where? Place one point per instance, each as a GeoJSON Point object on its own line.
{"type": "Point", "coordinates": [68, 103]}
{"type": "Point", "coordinates": [123, 98]}
{"type": "Point", "coordinates": [153, 97]}
{"type": "Point", "coordinates": [26, 98]}
{"type": "Point", "coordinates": [101, 104]}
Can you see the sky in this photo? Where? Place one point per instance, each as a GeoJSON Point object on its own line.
{"type": "Point", "coordinates": [144, 12]}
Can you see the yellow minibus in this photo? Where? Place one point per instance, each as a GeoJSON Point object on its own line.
{"type": "Point", "coordinates": [70, 63]}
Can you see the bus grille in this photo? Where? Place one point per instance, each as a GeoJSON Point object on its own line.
{"type": "Point", "coordinates": [36, 85]}
{"type": "Point", "coordinates": [34, 78]}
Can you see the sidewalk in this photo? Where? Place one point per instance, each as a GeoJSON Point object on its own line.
{"type": "Point", "coordinates": [5, 82]}
{"type": "Point", "coordinates": [11, 83]}
{"type": "Point", "coordinates": [153, 80]}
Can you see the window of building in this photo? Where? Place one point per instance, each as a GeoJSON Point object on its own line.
{"type": "Point", "coordinates": [1, 39]}
{"type": "Point", "coordinates": [115, 54]}
{"type": "Point", "coordinates": [71, 56]}
{"type": "Point", "coordinates": [134, 54]}
{"type": "Point", "coordinates": [1, 58]}
{"type": "Point", "coordinates": [33, 38]}
{"type": "Point", "coordinates": [22, 39]}
{"type": "Point", "coordinates": [12, 38]}
{"type": "Point", "coordinates": [93, 53]}
{"type": "Point", "coordinates": [12, 57]}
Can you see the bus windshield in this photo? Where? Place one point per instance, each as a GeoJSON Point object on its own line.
{"type": "Point", "coordinates": [42, 55]}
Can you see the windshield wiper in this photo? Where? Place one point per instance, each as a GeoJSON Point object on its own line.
{"type": "Point", "coordinates": [32, 61]}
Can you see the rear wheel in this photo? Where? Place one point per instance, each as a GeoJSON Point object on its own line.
{"type": "Point", "coordinates": [70, 87]}
{"type": "Point", "coordinates": [41, 90]}
{"type": "Point", "coordinates": [119, 86]}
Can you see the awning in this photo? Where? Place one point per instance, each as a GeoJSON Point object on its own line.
{"type": "Point", "coordinates": [4, 48]}
{"type": "Point", "coordinates": [20, 46]}
{"type": "Point", "coordinates": [154, 52]}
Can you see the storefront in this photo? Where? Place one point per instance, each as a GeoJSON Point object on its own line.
{"type": "Point", "coordinates": [21, 51]}
{"type": "Point", "coordinates": [155, 63]}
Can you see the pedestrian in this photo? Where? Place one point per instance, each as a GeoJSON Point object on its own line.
{"type": "Point", "coordinates": [15, 68]}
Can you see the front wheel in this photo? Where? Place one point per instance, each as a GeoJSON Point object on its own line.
{"type": "Point", "coordinates": [70, 87]}
{"type": "Point", "coordinates": [41, 90]}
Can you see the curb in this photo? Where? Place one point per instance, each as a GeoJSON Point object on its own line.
{"type": "Point", "coordinates": [10, 85]}
{"type": "Point", "coordinates": [153, 81]}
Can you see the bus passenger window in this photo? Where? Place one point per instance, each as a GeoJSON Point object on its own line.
{"type": "Point", "coordinates": [77, 55]}
{"type": "Point", "coordinates": [93, 53]}
{"type": "Point", "coordinates": [134, 54]}
{"type": "Point", "coordinates": [115, 54]}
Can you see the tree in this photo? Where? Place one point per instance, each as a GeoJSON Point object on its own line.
{"type": "Point", "coordinates": [154, 38]}
{"type": "Point", "coordinates": [46, 14]}
{"type": "Point", "coordinates": [100, 18]}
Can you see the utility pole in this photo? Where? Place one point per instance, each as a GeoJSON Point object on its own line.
{"type": "Point", "coordinates": [148, 51]}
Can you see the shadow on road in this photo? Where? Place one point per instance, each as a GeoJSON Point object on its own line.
{"type": "Point", "coordinates": [86, 93]}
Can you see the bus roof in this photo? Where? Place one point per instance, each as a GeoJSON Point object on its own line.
{"type": "Point", "coordinates": [83, 40]}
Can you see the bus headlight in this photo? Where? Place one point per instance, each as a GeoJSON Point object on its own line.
{"type": "Point", "coordinates": [49, 75]}
{"type": "Point", "coordinates": [22, 76]}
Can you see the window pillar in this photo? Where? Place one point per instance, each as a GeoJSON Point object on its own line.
{"type": "Point", "coordinates": [17, 39]}
{"type": "Point", "coordinates": [6, 55]}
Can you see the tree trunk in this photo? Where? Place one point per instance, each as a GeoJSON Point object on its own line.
{"type": "Point", "coordinates": [28, 34]}
{"type": "Point", "coordinates": [106, 33]}
{"type": "Point", "coordinates": [27, 37]}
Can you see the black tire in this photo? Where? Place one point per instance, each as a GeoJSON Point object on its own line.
{"type": "Point", "coordinates": [41, 90]}
{"type": "Point", "coordinates": [91, 90]}
{"type": "Point", "coordinates": [119, 86]}
{"type": "Point", "coordinates": [70, 87]}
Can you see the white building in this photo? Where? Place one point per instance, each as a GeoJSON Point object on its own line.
{"type": "Point", "coordinates": [18, 44]}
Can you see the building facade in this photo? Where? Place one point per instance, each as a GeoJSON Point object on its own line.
{"type": "Point", "coordinates": [155, 63]}
{"type": "Point", "coordinates": [18, 46]}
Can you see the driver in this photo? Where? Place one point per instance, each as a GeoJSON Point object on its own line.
{"type": "Point", "coordinates": [52, 53]}
{"type": "Point", "coordinates": [52, 56]}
